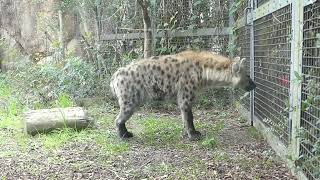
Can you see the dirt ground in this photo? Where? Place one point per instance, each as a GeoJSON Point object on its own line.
{"type": "Point", "coordinates": [230, 149]}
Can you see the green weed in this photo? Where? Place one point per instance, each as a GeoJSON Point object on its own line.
{"type": "Point", "coordinates": [254, 133]}
{"type": "Point", "coordinates": [64, 101]}
{"type": "Point", "coordinates": [211, 141]}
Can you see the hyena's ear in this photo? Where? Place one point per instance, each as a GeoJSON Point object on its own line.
{"type": "Point", "coordinates": [237, 64]}
{"type": "Point", "coordinates": [236, 67]}
{"type": "Point", "coordinates": [242, 62]}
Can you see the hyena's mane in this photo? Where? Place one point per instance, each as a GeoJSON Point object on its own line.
{"type": "Point", "coordinates": [215, 67]}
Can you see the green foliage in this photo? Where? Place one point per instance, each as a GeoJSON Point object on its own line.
{"type": "Point", "coordinates": [313, 98]}
{"type": "Point", "coordinates": [10, 108]}
{"type": "Point", "coordinates": [309, 161]}
{"type": "Point", "coordinates": [53, 83]}
{"type": "Point", "coordinates": [79, 78]}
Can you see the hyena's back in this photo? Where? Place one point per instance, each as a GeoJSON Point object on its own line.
{"type": "Point", "coordinates": [155, 79]}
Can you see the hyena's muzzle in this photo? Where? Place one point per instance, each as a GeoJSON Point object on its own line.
{"type": "Point", "coordinates": [251, 85]}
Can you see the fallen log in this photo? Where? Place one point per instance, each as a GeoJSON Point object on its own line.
{"type": "Point", "coordinates": [46, 120]}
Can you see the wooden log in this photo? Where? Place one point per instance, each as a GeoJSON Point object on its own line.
{"type": "Point", "coordinates": [46, 120]}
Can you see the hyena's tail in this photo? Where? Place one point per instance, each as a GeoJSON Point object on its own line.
{"type": "Point", "coordinates": [113, 85]}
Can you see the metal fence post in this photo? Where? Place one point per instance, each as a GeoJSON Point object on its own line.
{"type": "Point", "coordinates": [296, 69]}
{"type": "Point", "coordinates": [231, 26]}
{"type": "Point", "coordinates": [252, 61]}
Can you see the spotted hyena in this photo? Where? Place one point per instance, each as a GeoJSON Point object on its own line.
{"type": "Point", "coordinates": [174, 76]}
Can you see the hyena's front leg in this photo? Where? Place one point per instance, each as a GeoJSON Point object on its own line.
{"type": "Point", "coordinates": [190, 130]}
{"type": "Point", "coordinates": [121, 120]}
{"type": "Point", "coordinates": [185, 98]}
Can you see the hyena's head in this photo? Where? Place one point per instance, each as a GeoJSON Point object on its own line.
{"type": "Point", "coordinates": [240, 77]}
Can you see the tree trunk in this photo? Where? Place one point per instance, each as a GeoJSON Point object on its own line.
{"type": "Point", "coordinates": [61, 33]}
{"type": "Point", "coordinates": [147, 28]}
{"type": "Point", "coordinates": [46, 120]}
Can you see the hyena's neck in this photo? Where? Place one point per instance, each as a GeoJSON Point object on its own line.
{"type": "Point", "coordinates": [215, 75]}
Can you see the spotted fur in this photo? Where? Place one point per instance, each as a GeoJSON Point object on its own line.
{"type": "Point", "coordinates": [174, 76]}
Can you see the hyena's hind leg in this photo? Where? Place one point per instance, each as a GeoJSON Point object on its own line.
{"type": "Point", "coordinates": [123, 116]}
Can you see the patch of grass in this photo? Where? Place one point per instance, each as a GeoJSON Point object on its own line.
{"type": "Point", "coordinates": [254, 133]}
{"type": "Point", "coordinates": [10, 123]}
{"type": "Point", "coordinates": [111, 145]}
{"type": "Point", "coordinates": [211, 141]}
{"type": "Point", "coordinates": [10, 117]}
{"type": "Point", "coordinates": [221, 156]}
{"type": "Point", "coordinates": [64, 101]}
{"type": "Point", "coordinates": [3, 139]}
{"type": "Point", "coordinates": [161, 131]}
{"type": "Point", "coordinates": [193, 171]}
{"type": "Point", "coordinates": [58, 138]}
{"type": "Point", "coordinates": [55, 160]}
{"type": "Point", "coordinates": [268, 163]}
{"type": "Point", "coordinates": [162, 168]}
{"type": "Point", "coordinates": [242, 120]}
{"type": "Point", "coordinates": [244, 162]}
{"type": "Point", "coordinates": [6, 154]}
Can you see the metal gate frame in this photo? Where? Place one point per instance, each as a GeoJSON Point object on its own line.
{"type": "Point", "coordinates": [252, 13]}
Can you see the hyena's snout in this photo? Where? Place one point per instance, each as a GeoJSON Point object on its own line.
{"type": "Point", "coordinates": [251, 85]}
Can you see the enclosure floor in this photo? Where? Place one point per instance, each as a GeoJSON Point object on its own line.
{"type": "Point", "coordinates": [229, 150]}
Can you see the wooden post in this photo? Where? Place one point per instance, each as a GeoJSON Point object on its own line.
{"type": "Point", "coordinates": [147, 28]}
{"type": "Point", "coordinates": [61, 32]}
{"type": "Point", "coordinates": [296, 68]}
{"type": "Point", "coordinates": [46, 120]}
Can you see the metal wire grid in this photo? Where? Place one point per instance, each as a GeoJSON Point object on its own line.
{"type": "Point", "coordinates": [176, 44]}
{"type": "Point", "coordinates": [260, 2]}
{"type": "Point", "coordinates": [310, 112]}
{"type": "Point", "coordinates": [243, 50]}
{"type": "Point", "coordinates": [272, 70]}
{"type": "Point", "coordinates": [190, 14]}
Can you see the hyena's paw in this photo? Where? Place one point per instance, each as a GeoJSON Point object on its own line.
{"type": "Point", "coordinates": [125, 135]}
{"type": "Point", "coordinates": [192, 136]}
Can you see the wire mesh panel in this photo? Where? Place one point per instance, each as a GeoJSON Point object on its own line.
{"type": "Point", "coordinates": [272, 70]}
{"type": "Point", "coordinates": [213, 43]}
{"type": "Point", "coordinates": [173, 16]}
{"type": "Point", "coordinates": [243, 50]}
{"type": "Point", "coordinates": [260, 2]}
{"type": "Point", "coordinates": [186, 14]}
{"type": "Point", "coordinates": [310, 111]}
